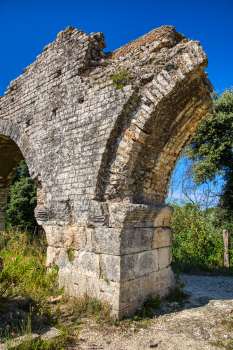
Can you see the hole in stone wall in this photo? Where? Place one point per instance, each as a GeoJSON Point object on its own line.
{"type": "Point", "coordinates": [57, 73]}
{"type": "Point", "coordinates": [81, 100]}
{"type": "Point", "coordinates": [54, 111]}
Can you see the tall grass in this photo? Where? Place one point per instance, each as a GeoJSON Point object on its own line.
{"type": "Point", "coordinates": [24, 270]}
{"type": "Point", "coordinates": [25, 274]}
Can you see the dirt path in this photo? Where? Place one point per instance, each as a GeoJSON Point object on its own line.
{"type": "Point", "coordinates": [205, 322]}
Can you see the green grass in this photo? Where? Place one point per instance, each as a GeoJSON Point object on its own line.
{"type": "Point", "coordinates": [121, 79]}
{"type": "Point", "coordinates": [70, 253]}
{"type": "Point", "coordinates": [25, 270]}
{"type": "Point", "coordinates": [25, 274]}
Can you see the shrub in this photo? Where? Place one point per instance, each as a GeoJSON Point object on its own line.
{"type": "Point", "coordinates": [21, 200]}
{"type": "Point", "coordinates": [197, 243]}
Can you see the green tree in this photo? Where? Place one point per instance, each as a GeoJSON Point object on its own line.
{"type": "Point", "coordinates": [211, 149]}
{"type": "Point", "coordinates": [21, 200]}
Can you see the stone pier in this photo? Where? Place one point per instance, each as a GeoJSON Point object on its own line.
{"type": "Point", "coordinates": [101, 133]}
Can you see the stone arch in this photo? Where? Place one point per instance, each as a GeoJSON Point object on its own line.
{"type": "Point", "coordinates": [14, 146]}
{"type": "Point", "coordinates": [152, 137]}
{"type": "Point", "coordinates": [105, 155]}
{"type": "Point", "coordinates": [15, 132]}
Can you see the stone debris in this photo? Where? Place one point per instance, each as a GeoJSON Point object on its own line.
{"type": "Point", "coordinates": [103, 154]}
{"type": "Point", "coordinates": [12, 344]}
{"type": "Point", "coordinates": [49, 333]}
{"type": "Point", "coordinates": [54, 300]}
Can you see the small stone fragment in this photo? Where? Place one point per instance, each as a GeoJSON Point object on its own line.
{"type": "Point", "coordinates": [146, 78]}
{"type": "Point", "coordinates": [55, 299]}
{"type": "Point", "coordinates": [102, 62]}
{"type": "Point", "coordinates": [50, 333]}
{"type": "Point", "coordinates": [39, 319]}
{"type": "Point", "coordinates": [12, 344]}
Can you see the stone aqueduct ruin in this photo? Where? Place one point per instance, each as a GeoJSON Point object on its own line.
{"type": "Point", "coordinates": [103, 155]}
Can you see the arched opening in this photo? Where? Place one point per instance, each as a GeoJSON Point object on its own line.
{"type": "Point", "coordinates": [152, 138]}
{"type": "Point", "coordinates": [17, 190]}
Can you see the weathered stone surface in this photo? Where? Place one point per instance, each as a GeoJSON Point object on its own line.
{"type": "Point", "coordinates": [162, 237]}
{"type": "Point", "coordinates": [164, 257]}
{"type": "Point", "coordinates": [103, 156]}
{"type": "Point", "coordinates": [136, 290]}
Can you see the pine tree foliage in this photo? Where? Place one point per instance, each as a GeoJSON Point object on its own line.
{"type": "Point", "coordinates": [211, 150]}
{"type": "Point", "coordinates": [21, 200]}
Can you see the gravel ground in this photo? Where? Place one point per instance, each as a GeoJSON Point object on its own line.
{"type": "Point", "coordinates": [204, 322]}
{"type": "Point", "coordinates": [208, 287]}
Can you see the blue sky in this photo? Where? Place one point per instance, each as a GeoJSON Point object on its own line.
{"type": "Point", "coordinates": [27, 26]}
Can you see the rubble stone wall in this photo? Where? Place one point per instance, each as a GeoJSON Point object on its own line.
{"type": "Point", "coordinates": [101, 134]}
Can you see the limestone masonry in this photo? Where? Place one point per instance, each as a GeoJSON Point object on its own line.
{"type": "Point", "coordinates": [101, 134]}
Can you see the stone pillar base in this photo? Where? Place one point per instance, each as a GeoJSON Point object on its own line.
{"type": "Point", "coordinates": [123, 262]}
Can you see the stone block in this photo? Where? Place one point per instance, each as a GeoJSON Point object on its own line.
{"type": "Point", "coordinates": [134, 240]}
{"type": "Point", "coordinates": [139, 215]}
{"type": "Point", "coordinates": [162, 237]}
{"type": "Point", "coordinates": [107, 240]}
{"type": "Point", "coordinates": [129, 267]}
{"type": "Point", "coordinates": [147, 262]}
{"type": "Point", "coordinates": [109, 266]}
{"type": "Point", "coordinates": [128, 311]}
{"type": "Point", "coordinates": [52, 255]}
{"type": "Point", "coordinates": [129, 293]}
{"type": "Point", "coordinates": [53, 236]}
{"type": "Point", "coordinates": [121, 241]}
{"type": "Point", "coordinates": [164, 279]}
{"type": "Point", "coordinates": [147, 286]}
{"type": "Point", "coordinates": [82, 238]}
{"type": "Point", "coordinates": [164, 257]}
{"type": "Point", "coordinates": [77, 237]}
{"type": "Point", "coordinates": [87, 263]}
